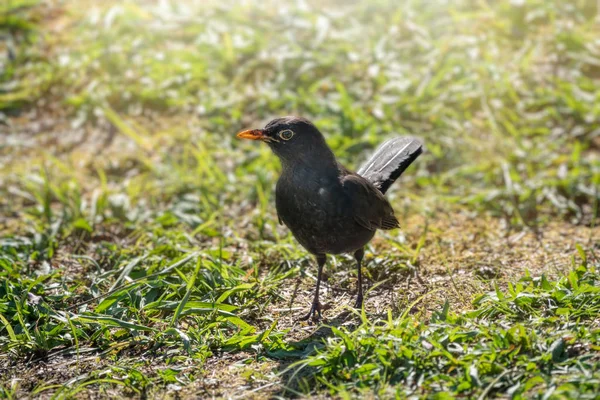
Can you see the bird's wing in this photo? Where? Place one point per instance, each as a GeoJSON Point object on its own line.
{"type": "Point", "coordinates": [369, 208]}
{"type": "Point", "coordinates": [390, 160]}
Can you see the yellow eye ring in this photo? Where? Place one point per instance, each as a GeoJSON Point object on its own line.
{"type": "Point", "coordinates": [286, 134]}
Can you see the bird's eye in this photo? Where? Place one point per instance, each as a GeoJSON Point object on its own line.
{"type": "Point", "coordinates": [286, 134]}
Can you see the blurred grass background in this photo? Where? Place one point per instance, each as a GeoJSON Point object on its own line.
{"type": "Point", "coordinates": [118, 157]}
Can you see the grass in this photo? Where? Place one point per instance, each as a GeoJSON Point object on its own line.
{"type": "Point", "coordinates": [528, 342]}
{"type": "Point", "coordinates": [140, 252]}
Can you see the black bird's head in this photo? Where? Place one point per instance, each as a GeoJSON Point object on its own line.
{"type": "Point", "coordinates": [292, 139]}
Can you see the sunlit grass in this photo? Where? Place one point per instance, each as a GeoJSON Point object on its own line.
{"type": "Point", "coordinates": [136, 231]}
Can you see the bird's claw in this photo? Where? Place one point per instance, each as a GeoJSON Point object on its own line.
{"type": "Point", "coordinates": [314, 314]}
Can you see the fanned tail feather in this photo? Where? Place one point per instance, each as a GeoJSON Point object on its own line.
{"type": "Point", "coordinates": [390, 160]}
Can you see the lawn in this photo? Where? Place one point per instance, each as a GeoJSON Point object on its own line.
{"type": "Point", "coordinates": [140, 251]}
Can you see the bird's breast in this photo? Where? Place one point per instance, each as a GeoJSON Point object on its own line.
{"type": "Point", "coordinates": [318, 214]}
{"type": "Point", "coordinates": [312, 198]}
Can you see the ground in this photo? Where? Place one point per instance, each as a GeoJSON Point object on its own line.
{"type": "Point", "coordinates": [140, 252]}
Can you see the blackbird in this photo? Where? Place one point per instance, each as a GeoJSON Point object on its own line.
{"type": "Point", "coordinates": [328, 208]}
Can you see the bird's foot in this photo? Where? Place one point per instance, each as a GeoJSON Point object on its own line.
{"type": "Point", "coordinates": [314, 314]}
{"type": "Point", "coordinates": [359, 302]}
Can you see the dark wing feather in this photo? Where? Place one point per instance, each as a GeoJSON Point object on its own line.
{"type": "Point", "coordinates": [390, 160]}
{"type": "Point", "coordinates": [369, 208]}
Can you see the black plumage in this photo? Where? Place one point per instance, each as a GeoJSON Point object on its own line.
{"type": "Point", "coordinates": [328, 208]}
{"type": "Point", "coordinates": [390, 160]}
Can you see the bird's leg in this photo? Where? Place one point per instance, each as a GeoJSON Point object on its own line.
{"type": "Point", "coordinates": [315, 309]}
{"type": "Point", "coordinates": [358, 255]}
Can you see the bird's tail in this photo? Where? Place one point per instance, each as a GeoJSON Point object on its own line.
{"type": "Point", "coordinates": [390, 160]}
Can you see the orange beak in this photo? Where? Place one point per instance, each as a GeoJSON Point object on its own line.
{"type": "Point", "coordinates": [252, 134]}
